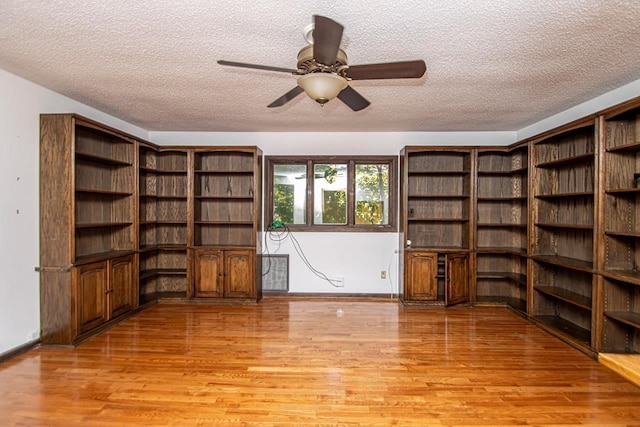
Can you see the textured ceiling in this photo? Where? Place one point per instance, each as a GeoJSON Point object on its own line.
{"type": "Point", "coordinates": [491, 65]}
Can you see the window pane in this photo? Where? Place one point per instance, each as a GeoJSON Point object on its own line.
{"type": "Point", "coordinates": [372, 194]}
{"type": "Point", "coordinates": [330, 194]}
{"type": "Point", "coordinates": [290, 193]}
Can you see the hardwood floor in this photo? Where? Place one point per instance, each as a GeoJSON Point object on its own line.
{"type": "Point", "coordinates": [315, 362]}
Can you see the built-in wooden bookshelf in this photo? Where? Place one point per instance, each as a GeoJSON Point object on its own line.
{"type": "Point", "coordinates": [436, 225]}
{"type": "Point", "coordinates": [563, 225]}
{"type": "Point", "coordinates": [621, 151]}
{"type": "Point", "coordinates": [87, 229]}
{"type": "Point", "coordinates": [163, 221]}
{"type": "Point", "coordinates": [227, 203]}
{"type": "Point", "coordinates": [501, 225]}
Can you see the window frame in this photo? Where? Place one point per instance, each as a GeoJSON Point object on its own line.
{"type": "Point", "coordinates": [351, 162]}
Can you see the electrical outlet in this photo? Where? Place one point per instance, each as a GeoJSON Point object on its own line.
{"type": "Point", "coordinates": [339, 282]}
{"type": "Point", "coordinates": [383, 274]}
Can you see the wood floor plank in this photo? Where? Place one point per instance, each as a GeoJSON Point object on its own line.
{"type": "Point", "coordinates": [315, 362]}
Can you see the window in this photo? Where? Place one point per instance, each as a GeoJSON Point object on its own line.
{"type": "Point", "coordinates": [332, 193]}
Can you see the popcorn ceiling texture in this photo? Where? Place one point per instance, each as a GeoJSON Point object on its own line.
{"type": "Point", "coordinates": [491, 65]}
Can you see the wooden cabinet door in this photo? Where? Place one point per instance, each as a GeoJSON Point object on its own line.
{"type": "Point", "coordinates": [421, 276]}
{"type": "Point", "coordinates": [239, 274]}
{"type": "Point", "coordinates": [120, 286]}
{"type": "Point", "coordinates": [91, 304]}
{"type": "Point", "coordinates": [208, 272]}
{"type": "Point", "coordinates": [456, 279]}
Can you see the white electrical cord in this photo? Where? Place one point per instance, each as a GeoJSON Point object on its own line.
{"type": "Point", "coordinates": [281, 236]}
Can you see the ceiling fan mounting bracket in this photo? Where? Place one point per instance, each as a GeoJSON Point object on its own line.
{"type": "Point", "coordinates": [307, 33]}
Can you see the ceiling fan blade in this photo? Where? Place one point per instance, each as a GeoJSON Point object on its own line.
{"type": "Point", "coordinates": [389, 70]}
{"type": "Point", "coordinates": [286, 97]}
{"type": "Point", "coordinates": [327, 35]}
{"type": "Point", "coordinates": [353, 99]}
{"type": "Point", "coordinates": [256, 67]}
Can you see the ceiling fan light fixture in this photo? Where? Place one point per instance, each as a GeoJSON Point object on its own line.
{"type": "Point", "coordinates": [322, 87]}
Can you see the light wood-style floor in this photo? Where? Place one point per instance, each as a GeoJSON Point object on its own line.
{"type": "Point", "coordinates": [315, 362]}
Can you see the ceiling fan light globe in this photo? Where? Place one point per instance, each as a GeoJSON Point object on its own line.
{"type": "Point", "coordinates": [322, 87]}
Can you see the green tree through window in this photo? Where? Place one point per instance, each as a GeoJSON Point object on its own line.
{"type": "Point", "coordinates": [372, 194]}
{"type": "Point", "coordinates": [332, 193]}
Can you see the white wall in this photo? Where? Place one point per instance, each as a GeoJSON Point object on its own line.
{"type": "Point", "coordinates": [338, 143]}
{"type": "Point", "coordinates": [20, 106]}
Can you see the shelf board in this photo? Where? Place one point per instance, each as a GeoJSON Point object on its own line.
{"type": "Point", "coordinates": [103, 192]}
{"type": "Point", "coordinates": [503, 173]}
{"type": "Point", "coordinates": [634, 234]}
{"type": "Point", "coordinates": [564, 327]}
{"type": "Point", "coordinates": [460, 173]}
{"type": "Point", "coordinates": [516, 303]}
{"type": "Point", "coordinates": [626, 317]}
{"type": "Point", "coordinates": [438, 196]}
{"type": "Point", "coordinates": [163, 171]}
{"type": "Point", "coordinates": [145, 274]}
{"type": "Point", "coordinates": [502, 250]}
{"type": "Point", "coordinates": [100, 256]}
{"type": "Point", "coordinates": [576, 194]}
{"type": "Point", "coordinates": [223, 222]}
{"type": "Point", "coordinates": [570, 263]}
{"type": "Point", "coordinates": [630, 276]}
{"type": "Point", "coordinates": [437, 220]}
{"type": "Point", "coordinates": [163, 196]}
{"type": "Point", "coordinates": [101, 159]}
{"type": "Point", "coordinates": [221, 172]}
{"type": "Point", "coordinates": [223, 197]}
{"type": "Point", "coordinates": [103, 224]}
{"type": "Point", "coordinates": [153, 297]}
{"type": "Point", "coordinates": [163, 247]}
{"type": "Point", "coordinates": [501, 225]}
{"type": "Point", "coordinates": [171, 295]}
{"type": "Point", "coordinates": [440, 249]}
{"type": "Point", "coordinates": [162, 222]}
{"type": "Point", "coordinates": [502, 199]}
{"type": "Point", "coordinates": [634, 146]}
{"type": "Point", "coordinates": [631, 191]}
{"type": "Point", "coordinates": [567, 296]}
{"type": "Point", "coordinates": [581, 158]}
{"type": "Point", "coordinates": [502, 275]}
{"type": "Point", "coordinates": [564, 226]}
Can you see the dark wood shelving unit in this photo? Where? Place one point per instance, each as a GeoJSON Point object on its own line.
{"type": "Point", "coordinates": [563, 224]}
{"type": "Point", "coordinates": [621, 237]}
{"type": "Point", "coordinates": [87, 228]}
{"type": "Point", "coordinates": [163, 222]}
{"type": "Point", "coordinates": [227, 219]}
{"type": "Point", "coordinates": [436, 197]}
{"type": "Point", "coordinates": [501, 225]}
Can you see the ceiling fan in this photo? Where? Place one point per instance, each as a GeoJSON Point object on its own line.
{"type": "Point", "coordinates": [324, 72]}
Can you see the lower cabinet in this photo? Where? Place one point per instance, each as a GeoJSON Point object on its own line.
{"type": "Point", "coordinates": [421, 276]}
{"type": "Point", "coordinates": [456, 290]}
{"type": "Point", "coordinates": [431, 277]}
{"type": "Point", "coordinates": [225, 273]}
{"type": "Point", "coordinates": [105, 291]}
{"type": "Point", "coordinates": [82, 300]}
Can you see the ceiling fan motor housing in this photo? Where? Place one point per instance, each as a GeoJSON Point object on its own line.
{"type": "Point", "coordinates": [307, 64]}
